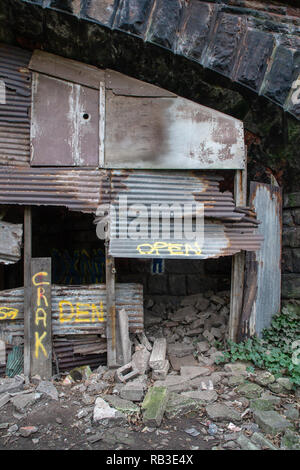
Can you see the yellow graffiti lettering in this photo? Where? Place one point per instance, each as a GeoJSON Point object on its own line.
{"type": "Point", "coordinates": [159, 246]}
{"type": "Point", "coordinates": [141, 249]}
{"type": "Point", "coordinates": [39, 344]}
{"type": "Point", "coordinates": [8, 313]}
{"type": "Point", "coordinates": [79, 313]}
{"type": "Point", "coordinates": [62, 317]}
{"type": "Point", "coordinates": [95, 311]}
{"type": "Point", "coordinates": [195, 248]}
{"type": "Point", "coordinates": [174, 247]}
{"type": "Point", "coordinates": [40, 295]}
{"type": "Point", "coordinates": [43, 274]}
{"type": "Point", "coordinates": [41, 316]}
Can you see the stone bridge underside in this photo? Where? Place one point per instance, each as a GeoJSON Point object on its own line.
{"type": "Point", "coordinates": [250, 44]}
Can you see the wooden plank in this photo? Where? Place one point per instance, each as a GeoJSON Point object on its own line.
{"type": "Point", "coordinates": [267, 201]}
{"type": "Point", "coordinates": [10, 242]}
{"type": "Point", "coordinates": [66, 69]}
{"type": "Point", "coordinates": [238, 262]}
{"type": "Point", "coordinates": [111, 319]}
{"type": "Point", "coordinates": [41, 328]}
{"type": "Point", "coordinates": [27, 287]}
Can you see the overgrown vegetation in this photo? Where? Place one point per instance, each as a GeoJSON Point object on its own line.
{"type": "Point", "coordinates": [278, 350]}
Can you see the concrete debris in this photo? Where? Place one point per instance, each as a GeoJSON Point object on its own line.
{"type": "Point", "coordinates": [4, 398]}
{"type": "Point", "coordinates": [221, 412]}
{"type": "Point", "coordinates": [140, 360]}
{"type": "Point", "coordinates": [154, 405]}
{"type": "Point", "coordinates": [21, 402]}
{"type": "Point", "coordinates": [126, 373]}
{"type": "Point", "coordinates": [126, 407]}
{"type": "Point", "coordinates": [8, 385]}
{"type": "Point", "coordinates": [104, 413]}
{"type": "Point", "coordinates": [158, 354]}
{"type": "Point", "coordinates": [133, 391]}
{"type": "Point", "coordinates": [173, 373]}
{"type": "Point", "coordinates": [161, 374]}
{"type": "Point", "coordinates": [47, 388]}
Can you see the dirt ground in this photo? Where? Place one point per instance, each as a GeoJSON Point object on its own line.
{"type": "Point", "coordinates": [59, 428]}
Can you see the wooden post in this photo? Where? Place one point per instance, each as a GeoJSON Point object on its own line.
{"type": "Point", "coordinates": [41, 328]}
{"type": "Point", "coordinates": [110, 309]}
{"type": "Point", "coordinates": [238, 262]}
{"type": "Point", "coordinates": [27, 288]}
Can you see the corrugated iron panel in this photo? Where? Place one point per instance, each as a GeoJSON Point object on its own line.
{"type": "Point", "coordinates": [228, 229]}
{"type": "Point", "coordinates": [77, 189]}
{"type": "Point", "coordinates": [10, 242]}
{"type": "Point", "coordinates": [267, 201]}
{"type": "Point", "coordinates": [170, 187]}
{"type": "Point", "coordinates": [77, 300]}
{"type": "Point", "coordinates": [15, 112]}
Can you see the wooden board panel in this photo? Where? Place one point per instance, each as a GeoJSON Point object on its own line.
{"type": "Point", "coordinates": [170, 133]}
{"type": "Point", "coordinates": [66, 69]}
{"type": "Point", "coordinates": [64, 124]}
{"type": "Point", "coordinates": [40, 325]}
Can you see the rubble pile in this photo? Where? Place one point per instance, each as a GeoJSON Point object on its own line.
{"type": "Point", "coordinates": [172, 376]}
{"type": "Point", "coordinates": [192, 326]}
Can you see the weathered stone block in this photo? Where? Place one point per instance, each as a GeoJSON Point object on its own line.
{"type": "Point", "coordinates": [194, 28]}
{"type": "Point", "coordinates": [291, 200]}
{"type": "Point", "coordinates": [154, 405]}
{"type": "Point", "coordinates": [124, 406]}
{"type": "Point", "coordinates": [220, 412]}
{"type": "Point", "coordinates": [179, 405]}
{"type": "Point", "coordinates": [158, 354]}
{"type": "Point", "coordinates": [133, 391]}
{"type": "Point", "coordinates": [271, 422]}
{"type": "Point", "coordinates": [255, 56]}
{"type": "Point", "coordinates": [223, 48]}
{"type": "Point", "coordinates": [249, 390]}
{"type": "Point", "coordinates": [291, 237]}
{"type": "Point", "coordinates": [161, 374]}
{"type": "Point", "coordinates": [132, 16]}
{"type": "Point", "coordinates": [290, 286]}
{"type": "Point", "coordinates": [165, 20]}
{"type": "Point", "coordinates": [180, 349]}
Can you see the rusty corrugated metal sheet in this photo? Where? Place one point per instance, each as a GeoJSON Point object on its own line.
{"type": "Point", "coordinates": [10, 242]}
{"type": "Point", "coordinates": [72, 309]}
{"type": "Point", "coordinates": [228, 229]}
{"type": "Point", "coordinates": [15, 113]}
{"type": "Point", "coordinates": [267, 201]}
{"type": "Point", "coordinates": [76, 189]}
